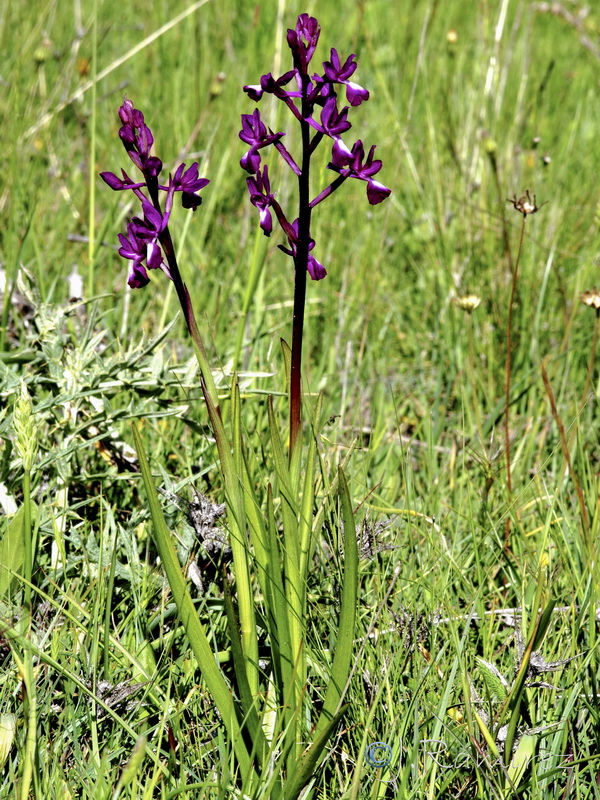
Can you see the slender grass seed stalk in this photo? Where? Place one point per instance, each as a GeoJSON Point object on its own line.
{"type": "Point", "coordinates": [525, 205]}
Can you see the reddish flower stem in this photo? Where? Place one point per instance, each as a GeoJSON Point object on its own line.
{"type": "Point", "coordinates": [300, 270]}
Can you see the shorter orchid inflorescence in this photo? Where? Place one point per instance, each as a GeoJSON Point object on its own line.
{"type": "Point", "coordinates": [307, 95]}
{"type": "Point", "coordinates": [145, 236]}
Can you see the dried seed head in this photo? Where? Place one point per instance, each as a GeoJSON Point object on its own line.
{"type": "Point", "coordinates": [525, 204]}
{"type": "Point", "coordinates": [468, 302]}
{"type": "Point", "coordinates": [591, 298]}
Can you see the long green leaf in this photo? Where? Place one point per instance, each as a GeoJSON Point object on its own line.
{"type": "Point", "coordinates": [237, 527]}
{"type": "Point", "coordinates": [289, 504]}
{"type": "Point", "coordinates": [308, 762]}
{"type": "Point", "coordinates": [12, 552]}
{"type": "Point", "coordinates": [278, 609]}
{"type": "Point", "coordinates": [250, 718]}
{"type": "Point", "coordinates": [188, 616]}
{"type": "Point", "coordinates": [340, 668]}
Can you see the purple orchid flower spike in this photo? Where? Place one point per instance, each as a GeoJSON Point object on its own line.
{"type": "Point", "coordinates": [148, 239]}
{"type": "Point", "coordinates": [304, 94]}
{"type": "Point", "coordinates": [148, 243]}
{"type": "Point", "coordinates": [334, 72]}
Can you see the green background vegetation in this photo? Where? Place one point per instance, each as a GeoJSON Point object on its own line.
{"type": "Point", "coordinates": [417, 380]}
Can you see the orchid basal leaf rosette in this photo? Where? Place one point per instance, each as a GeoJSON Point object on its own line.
{"type": "Point", "coordinates": [313, 99]}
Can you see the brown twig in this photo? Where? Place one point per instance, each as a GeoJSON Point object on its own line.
{"type": "Point", "coordinates": [565, 448]}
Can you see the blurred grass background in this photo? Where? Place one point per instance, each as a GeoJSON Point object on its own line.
{"type": "Point", "coordinates": [471, 103]}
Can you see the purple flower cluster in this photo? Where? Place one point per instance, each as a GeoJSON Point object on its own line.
{"type": "Point", "coordinates": [305, 95]}
{"type": "Point", "coordinates": [142, 245]}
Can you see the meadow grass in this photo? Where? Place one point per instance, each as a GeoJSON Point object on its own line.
{"type": "Point", "coordinates": [100, 695]}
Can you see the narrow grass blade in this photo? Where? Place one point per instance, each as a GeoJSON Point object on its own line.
{"type": "Point", "coordinates": [277, 611]}
{"type": "Point", "coordinates": [517, 692]}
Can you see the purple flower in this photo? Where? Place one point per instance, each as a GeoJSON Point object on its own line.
{"type": "Point", "coordinates": [149, 229]}
{"type": "Point", "coordinates": [352, 167]}
{"type": "Point", "coordinates": [333, 122]}
{"type": "Point", "coordinates": [188, 183]}
{"type": "Point", "coordinates": [315, 269]}
{"type": "Point", "coordinates": [335, 73]}
{"type": "Point", "coordinates": [261, 198]}
{"type": "Point", "coordinates": [141, 244]}
{"type": "Point", "coordinates": [134, 249]}
{"type": "Point", "coordinates": [254, 132]}
{"type": "Point", "coordinates": [303, 41]}
{"type": "Point", "coordinates": [254, 91]}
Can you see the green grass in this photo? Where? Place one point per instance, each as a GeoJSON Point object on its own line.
{"type": "Point", "coordinates": [417, 381]}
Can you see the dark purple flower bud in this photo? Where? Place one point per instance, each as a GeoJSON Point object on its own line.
{"type": "Point", "coordinates": [334, 72]}
{"type": "Point", "coordinates": [111, 179]}
{"type": "Point", "coordinates": [188, 183]}
{"type": "Point", "coordinates": [137, 139]}
{"type": "Point", "coordinates": [303, 41]}
{"type": "Point", "coordinates": [118, 184]}
{"type": "Point", "coordinates": [261, 197]}
{"type": "Point", "coordinates": [353, 167]}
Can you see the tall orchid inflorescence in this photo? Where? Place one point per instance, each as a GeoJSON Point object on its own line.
{"type": "Point", "coordinates": [148, 244]}
{"type": "Point", "coordinates": [307, 97]}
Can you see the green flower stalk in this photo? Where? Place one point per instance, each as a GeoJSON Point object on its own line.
{"type": "Point", "coordinates": [26, 444]}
